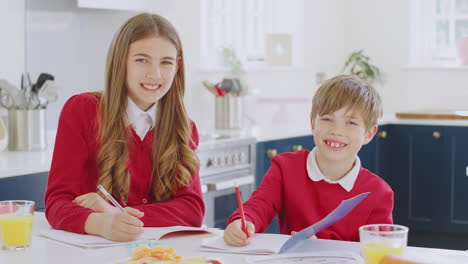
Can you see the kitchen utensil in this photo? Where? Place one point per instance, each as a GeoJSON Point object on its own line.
{"type": "Point", "coordinates": [6, 100]}
{"type": "Point", "coordinates": [7, 96]}
{"type": "Point", "coordinates": [49, 91]}
{"type": "Point", "coordinates": [3, 136]}
{"type": "Point", "coordinates": [43, 77]}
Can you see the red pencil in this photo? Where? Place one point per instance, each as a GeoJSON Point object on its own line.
{"type": "Point", "coordinates": [239, 203]}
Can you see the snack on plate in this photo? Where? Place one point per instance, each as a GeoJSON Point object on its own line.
{"type": "Point", "coordinates": [143, 254]}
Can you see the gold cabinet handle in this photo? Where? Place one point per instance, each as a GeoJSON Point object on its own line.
{"type": "Point", "coordinates": [271, 153]}
{"type": "Point", "coordinates": [382, 134]}
{"type": "Point", "coordinates": [436, 134]}
{"type": "Point", "coordinates": [296, 147]}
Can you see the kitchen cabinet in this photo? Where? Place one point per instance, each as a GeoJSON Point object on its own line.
{"type": "Point", "coordinates": [373, 156]}
{"type": "Point", "coordinates": [25, 187]}
{"type": "Point", "coordinates": [138, 5]}
{"type": "Point", "coordinates": [429, 178]}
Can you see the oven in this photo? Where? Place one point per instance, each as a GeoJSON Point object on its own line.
{"type": "Point", "coordinates": [225, 163]}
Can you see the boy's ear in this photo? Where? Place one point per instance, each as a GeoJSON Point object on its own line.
{"type": "Point", "coordinates": [370, 133]}
{"type": "Point", "coordinates": [312, 124]}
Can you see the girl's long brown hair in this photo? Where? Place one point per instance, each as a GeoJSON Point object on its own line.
{"type": "Point", "coordinates": [174, 162]}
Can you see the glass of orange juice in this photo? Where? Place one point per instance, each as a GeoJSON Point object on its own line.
{"type": "Point", "coordinates": [380, 240]}
{"type": "Point", "coordinates": [16, 219]}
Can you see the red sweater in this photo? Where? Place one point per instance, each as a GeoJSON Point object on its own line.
{"type": "Point", "coordinates": [287, 191]}
{"type": "Point", "coordinates": [74, 172]}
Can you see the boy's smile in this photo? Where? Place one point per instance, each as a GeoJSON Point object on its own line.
{"type": "Point", "coordinates": [339, 136]}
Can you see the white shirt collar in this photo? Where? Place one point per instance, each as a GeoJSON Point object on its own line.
{"type": "Point", "coordinates": [347, 182]}
{"type": "Point", "coordinates": [140, 120]}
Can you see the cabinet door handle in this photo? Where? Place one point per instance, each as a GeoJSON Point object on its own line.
{"type": "Point", "coordinates": [296, 147]}
{"type": "Point", "coordinates": [382, 134]}
{"type": "Point", "coordinates": [271, 153]}
{"type": "Point", "coordinates": [436, 134]}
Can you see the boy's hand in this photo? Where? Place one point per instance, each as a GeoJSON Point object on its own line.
{"type": "Point", "coordinates": [311, 237]}
{"type": "Point", "coordinates": [120, 226]}
{"type": "Point", "coordinates": [234, 236]}
{"type": "Point", "coordinates": [95, 202]}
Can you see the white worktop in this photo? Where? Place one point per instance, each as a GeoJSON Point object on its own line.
{"type": "Point", "coordinates": [23, 163]}
{"type": "Point", "coordinates": [48, 251]}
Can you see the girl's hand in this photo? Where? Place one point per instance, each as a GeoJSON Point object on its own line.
{"type": "Point", "coordinates": [95, 202]}
{"type": "Point", "coordinates": [120, 226]}
{"type": "Point", "coordinates": [234, 236]}
{"type": "Point", "coordinates": [311, 237]}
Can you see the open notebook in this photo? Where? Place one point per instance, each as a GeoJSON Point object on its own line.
{"type": "Point", "coordinates": [274, 243]}
{"type": "Point", "coordinates": [260, 244]}
{"type": "Point", "coordinates": [150, 233]}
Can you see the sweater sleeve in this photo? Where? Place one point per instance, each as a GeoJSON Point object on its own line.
{"type": "Point", "coordinates": [68, 170]}
{"type": "Point", "coordinates": [266, 201]}
{"type": "Point", "coordinates": [186, 208]}
{"type": "Point", "coordinates": [382, 212]}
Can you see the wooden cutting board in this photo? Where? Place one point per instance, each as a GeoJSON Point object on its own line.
{"type": "Point", "coordinates": [434, 114]}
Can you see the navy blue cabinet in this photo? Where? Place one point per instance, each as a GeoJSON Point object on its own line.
{"type": "Point", "coordinates": [375, 154]}
{"type": "Point", "coordinates": [429, 177]}
{"type": "Point", "coordinates": [267, 149]}
{"type": "Point", "coordinates": [26, 187]}
{"type": "Point", "coordinates": [420, 159]}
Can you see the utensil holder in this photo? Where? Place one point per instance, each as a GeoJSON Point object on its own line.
{"type": "Point", "coordinates": [27, 130]}
{"type": "Point", "coordinates": [229, 112]}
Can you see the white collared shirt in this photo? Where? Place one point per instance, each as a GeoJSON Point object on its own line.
{"type": "Point", "coordinates": [347, 182]}
{"type": "Point", "coordinates": [141, 121]}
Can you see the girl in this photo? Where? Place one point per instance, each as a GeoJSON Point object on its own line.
{"type": "Point", "coordinates": [134, 138]}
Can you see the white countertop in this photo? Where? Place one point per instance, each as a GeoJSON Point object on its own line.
{"type": "Point", "coordinates": [23, 163]}
{"type": "Point", "coordinates": [48, 251]}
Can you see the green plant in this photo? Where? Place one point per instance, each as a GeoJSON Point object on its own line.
{"type": "Point", "coordinates": [230, 59]}
{"type": "Point", "coordinates": [359, 64]}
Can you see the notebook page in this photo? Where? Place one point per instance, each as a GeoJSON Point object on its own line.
{"type": "Point", "coordinates": [260, 244]}
{"type": "Point", "coordinates": [150, 233]}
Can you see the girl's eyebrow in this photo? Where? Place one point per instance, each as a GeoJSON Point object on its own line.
{"type": "Point", "coordinates": [148, 56]}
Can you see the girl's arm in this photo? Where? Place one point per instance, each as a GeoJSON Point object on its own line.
{"type": "Point", "coordinates": [70, 176]}
{"type": "Point", "coordinates": [185, 209]}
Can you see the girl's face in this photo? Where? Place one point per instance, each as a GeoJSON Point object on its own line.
{"type": "Point", "coordinates": [340, 135]}
{"type": "Point", "coordinates": [151, 67]}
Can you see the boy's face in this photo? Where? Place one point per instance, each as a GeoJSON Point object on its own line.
{"type": "Point", "coordinates": [340, 135]}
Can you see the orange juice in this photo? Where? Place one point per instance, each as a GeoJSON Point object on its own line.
{"type": "Point", "coordinates": [374, 251]}
{"type": "Point", "coordinates": [15, 229]}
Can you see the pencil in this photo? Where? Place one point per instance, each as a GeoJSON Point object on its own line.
{"type": "Point", "coordinates": [241, 208]}
{"type": "Point", "coordinates": [111, 199]}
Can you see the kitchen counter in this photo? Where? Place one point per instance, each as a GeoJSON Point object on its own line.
{"type": "Point", "coordinates": [439, 114]}
{"type": "Point", "coordinates": [23, 163]}
{"type": "Point", "coordinates": [16, 163]}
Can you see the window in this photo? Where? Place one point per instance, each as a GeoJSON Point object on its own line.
{"type": "Point", "coordinates": [439, 33]}
{"type": "Point", "coordinates": [254, 30]}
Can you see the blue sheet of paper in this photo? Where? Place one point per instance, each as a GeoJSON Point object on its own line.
{"type": "Point", "coordinates": [341, 211]}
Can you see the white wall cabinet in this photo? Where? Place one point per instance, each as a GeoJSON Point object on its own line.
{"type": "Point", "coordinates": [135, 5]}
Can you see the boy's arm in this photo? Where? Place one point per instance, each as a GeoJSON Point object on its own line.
{"type": "Point", "coordinates": [382, 213]}
{"type": "Point", "coordinates": [266, 201]}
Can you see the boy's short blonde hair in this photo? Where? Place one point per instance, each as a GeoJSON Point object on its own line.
{"type": "Point", "coordinates": [348, 91]}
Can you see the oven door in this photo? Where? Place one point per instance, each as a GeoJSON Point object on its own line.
{"type": "Point", "coordinates": [220, 197]}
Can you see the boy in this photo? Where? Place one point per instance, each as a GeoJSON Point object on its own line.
{"type": "Point", "coordinates": [303, 187]}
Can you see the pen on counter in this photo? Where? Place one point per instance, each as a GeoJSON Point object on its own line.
{"type": "Point", "coordinates": [111, 199]}
{"type": "Point", "coordinates": [241, 208]}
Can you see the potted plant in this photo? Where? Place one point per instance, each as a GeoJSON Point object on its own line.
{"type": "Point", "coordinates": [359, 64]}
